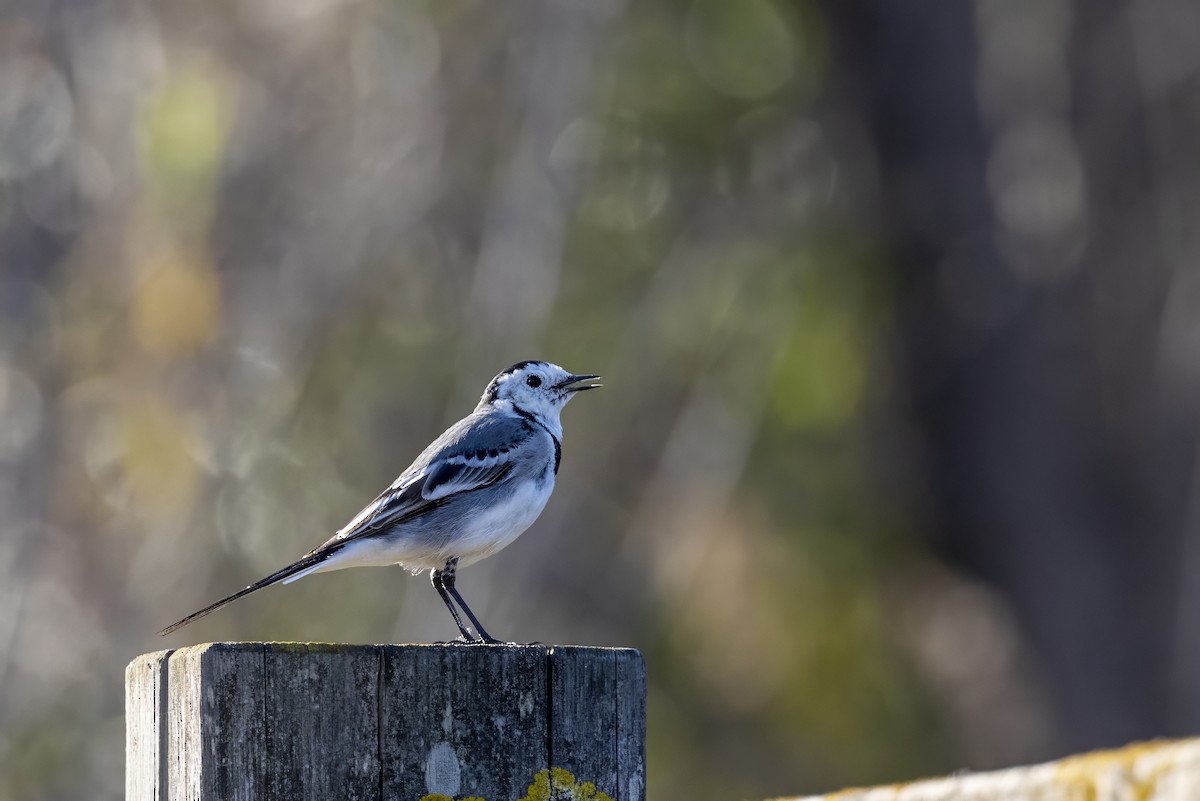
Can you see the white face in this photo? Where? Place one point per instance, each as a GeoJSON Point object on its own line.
{"type": "Point", "coordinates": [540, 388]}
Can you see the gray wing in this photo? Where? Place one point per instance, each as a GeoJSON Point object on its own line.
{"type": "Point", "coordinates": [474, 453]}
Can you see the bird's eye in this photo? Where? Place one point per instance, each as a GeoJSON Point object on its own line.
{"type": "Point", "coordinates": [533, 381]}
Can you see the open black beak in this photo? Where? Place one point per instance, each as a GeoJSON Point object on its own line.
{"type": "Point", "coordinates": [571, 383]}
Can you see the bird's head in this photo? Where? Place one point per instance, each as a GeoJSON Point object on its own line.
{"type": "Point", "coordinates": [538, 388]}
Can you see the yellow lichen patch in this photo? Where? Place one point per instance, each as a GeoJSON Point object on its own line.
{"type": "Point", "coordinates": [1152, 771]}
{"type": "Point", "coordinates": [1086, 773]}
{"type": "Point", "coordinates": [557, 784]}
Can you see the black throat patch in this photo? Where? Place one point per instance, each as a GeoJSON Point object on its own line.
{"type": "Point", "coordinates": [533, 419]}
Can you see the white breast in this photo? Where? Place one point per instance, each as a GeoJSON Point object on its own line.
{"type": "Point", "coordinates": [494, 528]}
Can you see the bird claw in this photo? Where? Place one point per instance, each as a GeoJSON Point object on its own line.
{"type": "Point", "coordinates": [487, 641]}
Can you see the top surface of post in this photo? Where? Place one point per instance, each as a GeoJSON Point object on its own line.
{"type": "Point", "coordinates": [319, 720]}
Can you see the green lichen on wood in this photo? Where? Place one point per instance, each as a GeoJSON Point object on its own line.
{"type": "Point", "coordinates": [554, 784]}
{"type": "Point", "coordinates": [1084, 772]}
{"type": "Point", "coordinates": [557, 784]}
{"type": "Point", "coordinates": [1139, 772]}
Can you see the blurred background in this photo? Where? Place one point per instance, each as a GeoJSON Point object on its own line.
{"type": "Point", "coordinates": [897, 307]}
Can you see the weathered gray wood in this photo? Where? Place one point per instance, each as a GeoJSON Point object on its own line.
{"type": "Point", "coordinates": [322, 724]}
{"type": "Point", "coordinates": [631, 723]}
{"type": "Point", "coordinates": [585, 732]}
{"type": "Point", "coordinates": [216, 729]}
{"type": "Point", "coordinates": [463, 721]}
{"type": "Point", "coordinates": [300, 721]}
{"type": "Point", "coordinates": [145, 705]}
{"type": "Point", "coordinates": [598, 698]}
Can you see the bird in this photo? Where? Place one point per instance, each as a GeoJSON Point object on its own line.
{"type": "Point", "coordinates": [474, 490]}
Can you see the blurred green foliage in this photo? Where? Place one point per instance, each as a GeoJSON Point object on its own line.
{"type": "Point", "coordinates": [309, 233]}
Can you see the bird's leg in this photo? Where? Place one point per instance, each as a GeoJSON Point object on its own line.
{"type": "Point", "coordinates": [438, 579]}
{"type": "Point", "coordinates": [448, 577]}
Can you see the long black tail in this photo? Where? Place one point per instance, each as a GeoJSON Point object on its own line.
{"type": "Point", "coordinates": [314, 558]}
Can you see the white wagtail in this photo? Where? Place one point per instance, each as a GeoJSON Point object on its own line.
{"type": "Point", "coordinates": [470, 493]}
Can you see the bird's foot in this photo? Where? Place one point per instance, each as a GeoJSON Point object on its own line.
{"type": "Point", "coordinates": [487, 641]}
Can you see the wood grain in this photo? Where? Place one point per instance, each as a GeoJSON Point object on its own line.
{"type": "Point", "coordinates": [311, 721]}
{"type": "Point", "coordinates": [145, 705]}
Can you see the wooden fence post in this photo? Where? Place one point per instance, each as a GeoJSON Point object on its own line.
{"type": "Point", "coordinates": [266, 721]}
{"type": "Point", "coordinates": [1164, 770]}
